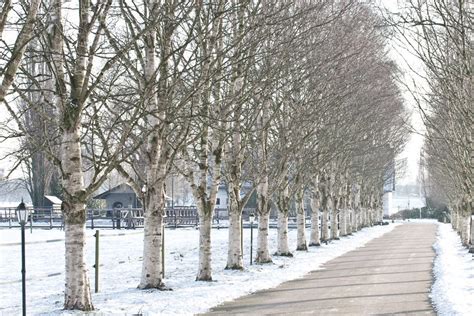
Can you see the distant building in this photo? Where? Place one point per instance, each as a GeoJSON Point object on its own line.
{"type": "Point", "coordinates": [121, 196]}
{"type": "Point", "coordinates": [52, 202]}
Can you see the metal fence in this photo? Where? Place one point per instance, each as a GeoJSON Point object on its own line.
{"type": "Point", "coordinates": [129, 218]}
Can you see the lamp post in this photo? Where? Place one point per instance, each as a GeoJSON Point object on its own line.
{"type": "Point", "coordinates": [251, 220]}
{"type": "Point", "coordinates": [22, 216]}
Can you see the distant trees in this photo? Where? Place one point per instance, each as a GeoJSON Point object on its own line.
{"type": "Point", "coordinates": [443, 31]}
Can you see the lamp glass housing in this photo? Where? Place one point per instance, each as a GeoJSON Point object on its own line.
{"type": "Point", "coordinates": [251, 218]}
{"type": "Point", "coordinates": [22, 215]}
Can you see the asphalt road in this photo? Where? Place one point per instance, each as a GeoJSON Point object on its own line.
{"type": "Point", "coordinates": [389, 275]}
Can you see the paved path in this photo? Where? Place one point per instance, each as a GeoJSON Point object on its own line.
{"type": "Point", "coordinates": [389, 275]}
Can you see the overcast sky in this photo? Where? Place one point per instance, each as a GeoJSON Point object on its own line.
{"type": "Point", "coordinates": [398, 53]}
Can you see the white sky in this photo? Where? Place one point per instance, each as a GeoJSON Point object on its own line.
{"type": "Point", "coordinates": [410, 66]}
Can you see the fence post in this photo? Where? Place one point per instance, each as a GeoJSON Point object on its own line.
{"type": "Point", "coordinates": [96, 265]}
{"type": "Point", "coordinates": [31, 222]}
{"type": "Point", "coordinates": [51, 219]}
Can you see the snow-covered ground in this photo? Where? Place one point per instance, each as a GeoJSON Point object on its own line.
{"type": "Point", "coordinates": [453, 290]}
{"type": "Point", "coordinates": [120, 257]}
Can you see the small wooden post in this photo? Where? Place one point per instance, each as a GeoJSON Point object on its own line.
{"type": "Point", "coordinates": [96, 265]}
{"type": "Point", "coordinates": [51, 219]}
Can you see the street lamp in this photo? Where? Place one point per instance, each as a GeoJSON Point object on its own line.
{"type": "Point", "coordinates": [251, 220]}
{"type": "Point", "coordinates": [22, 216]}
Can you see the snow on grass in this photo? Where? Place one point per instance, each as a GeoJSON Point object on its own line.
{"type": "Point", "coordinates": [453, 290]}
{"type": "Point", "coordinates": [120, 257]}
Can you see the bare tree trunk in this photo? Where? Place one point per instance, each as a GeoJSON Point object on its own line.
{"type": "Point", "coordinates": [357, 209]}
{"type": "Point", "coordinates": [301, 221]}
{"type": "Point", "coordinates": [283, 209]}
{"type": "Point", "coordinates": [263, 206]}
{"type": "Point", "coordinates": [263, 210]}
{"type": "Point", "coordinates": [334, 219]}
{"type": "Point", "coordinates": [315, 239]}
{"type": "Point", "coordinates": [324, 218]}
{"type": "Point", "coordinates": [343, 217]}
{"type": "Point", "coordinates": [77, 292]}
{"type": "Point", "coordinates": [471, 248]}
{"type": "Point", "coordinates": [152, 266]}
{"type": "Point", "coordinates": [234, 252]}
{"type": "Point", "coordinates": [205, 225]}
{"type": "Point", "coordinates": [465, 220]}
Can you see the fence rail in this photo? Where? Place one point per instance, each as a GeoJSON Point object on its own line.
{"type": "Point", "coordinates": [128, 218]}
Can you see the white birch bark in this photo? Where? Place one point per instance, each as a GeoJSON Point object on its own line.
{"type": "Point", "coordinates": [234, 154]}
{"type": "Point", "coordinates": [283, 247]}
{"type": "Point", "coordinates": [152, 265]}
{"type": "Point", "coordinates": [343, 218]}
{"type": "Point", "coordinates": [315, 238]}
{"type": "Point", "coordinates": [471, 248]}
{"type": "Point", "coordinates": [263, 252]}
{"type": "Point", "coordinates": [283, 203]}
{"type": "Point", "coordinates": [357, 210]}
{"type": "Point", "coordinates": [301, 243]}
{"type": "Point", "coordinates": [263, 200]}
{"type": "Point", "coordinates": [205, 269]}
{"type": "Point", "coordinates": [234, 252]}
{"type": "Point", "coordinates": [465, 229]}
{"type": "Point", "coordinates": [77, 292]}
{"type": "Point", "coordinates": [324, 194]}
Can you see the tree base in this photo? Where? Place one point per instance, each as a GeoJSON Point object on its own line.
{"type": "Point", "coordinates": [302, 248]}
{"type": "Point", "coordinates": [78, 306]}
{"type": "Point", "coordinates": [263, 261]}
{"type": "Point", "coordinates": [336, 238]}
{"type": "Point", "coordinates": [315, 244]}
{"type": "Point", "coordinates": [283, 254]}
{"type": "Point", "coordinates": [204, 279]}
{"type": "Point", "coordinates": [160, 287]}
{"type": "Point", "coordinates": [471, 249]}
{"type": "Point", "coordinates": [234, 267]}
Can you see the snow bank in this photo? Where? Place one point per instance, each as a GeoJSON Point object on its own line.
{"type": "Point", "coordinates": [453, 290]}
{"type": "Point", "coordinates": [121, 266]}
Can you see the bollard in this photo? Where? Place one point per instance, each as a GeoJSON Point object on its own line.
{"type": "Point", "coordinates": [96, 265]}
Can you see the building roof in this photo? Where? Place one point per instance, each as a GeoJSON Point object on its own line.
{"type": "Point", "coordinates": [53, 199]}
{"type": "Point", "coordinates": [120, 189]}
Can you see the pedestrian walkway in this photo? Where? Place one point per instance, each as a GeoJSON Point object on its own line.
{"type": "Point", "coordinates": [389, 275]}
